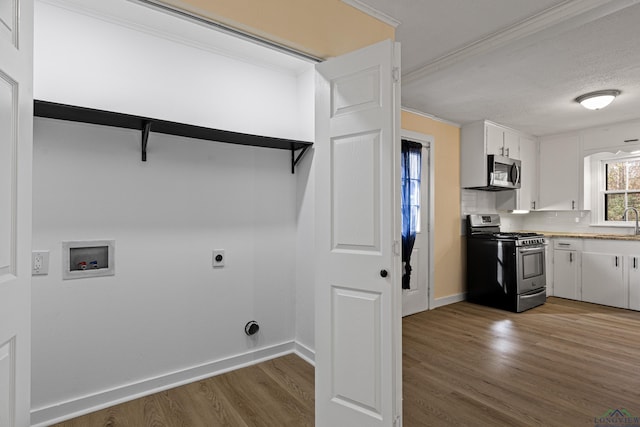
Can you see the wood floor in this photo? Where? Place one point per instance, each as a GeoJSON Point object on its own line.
{"type": "Point", "coordinates": [279, 393]}
{"type": "Point", "coordinates": [562, 364]}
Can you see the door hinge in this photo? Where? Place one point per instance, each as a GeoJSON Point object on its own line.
{"type": "Point", "coordinates": [397, 421]}
{"type": "Point", "coordinates": [396, 248]}
{"type": "Point", "coordinates": [395, 73]}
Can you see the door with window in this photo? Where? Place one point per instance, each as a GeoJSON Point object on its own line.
{"type": "Point", "coordinates": [416, 298]}
{"type": "Point", "coordinates": [16, 127]}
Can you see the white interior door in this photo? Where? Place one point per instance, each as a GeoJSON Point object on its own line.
{"type": "Point", "coordinates": [16, 123]}
{"type": "Point", "coordinates": [358, 294]}
{"type": "Point", "coordinates": [416, 298]}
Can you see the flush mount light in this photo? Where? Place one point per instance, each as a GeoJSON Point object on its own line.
{"type": "Point", "coordinates": [597, 100]}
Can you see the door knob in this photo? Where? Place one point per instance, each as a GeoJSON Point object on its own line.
{"type": "Point", "coordinates": [383, 273]}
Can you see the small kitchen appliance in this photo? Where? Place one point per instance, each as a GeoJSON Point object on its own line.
{"type": "Point", "coordinates": [504, 270]}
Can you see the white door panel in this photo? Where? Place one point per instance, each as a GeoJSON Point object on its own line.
{"type": "Point", "coordinates": [365, 392]}
{"type": "Point", "coordinates": [358, 340]}
{"type": "Point", "coordinates": [355, 183]}
{"type": "Point", "coordinates": [8, 20]}
{"type": "Point", "coordinates": [8, 144]}
{"type": "Point", "coordinates": [16, 127]}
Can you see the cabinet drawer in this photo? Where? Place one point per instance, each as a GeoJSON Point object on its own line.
{"type": "Point", "coordinates": [568, 244]}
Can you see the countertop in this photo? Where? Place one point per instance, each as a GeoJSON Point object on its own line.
{"type": "Point", "coordinates": [590, 235]}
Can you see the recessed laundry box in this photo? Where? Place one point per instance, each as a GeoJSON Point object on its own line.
{"type": "Point", "coordinates": [82, 259]}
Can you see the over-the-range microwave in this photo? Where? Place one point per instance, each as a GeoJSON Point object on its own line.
{"type": "Point", "coordinates": [503, 173]}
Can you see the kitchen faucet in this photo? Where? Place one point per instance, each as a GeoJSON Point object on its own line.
{"type": "Point", "coordinates": [624, 215]}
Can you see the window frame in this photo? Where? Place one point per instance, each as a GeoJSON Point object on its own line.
{"type": "Point", "coordinates": [602, 187]}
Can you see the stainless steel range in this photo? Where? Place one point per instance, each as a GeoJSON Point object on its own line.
{"type": "Point", "coordinates": [504, 270]}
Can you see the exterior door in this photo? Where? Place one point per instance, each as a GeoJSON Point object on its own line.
{"type": "Point", "coordinates": [416, 298]}
{"type": "Point", "coordinates": [358, 288]}
{"type": "Point", "coordinates": [16, 128]}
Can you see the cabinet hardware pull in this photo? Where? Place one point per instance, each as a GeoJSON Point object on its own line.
{"type": "Point", "coordinates": [534, 205]}
{"type": "Point", "coordinates": [570, 256]}
{"type": "Point", "coordinates": [635, 263]}
{"type": "Point", "coordinates": [616, 261]}
{"type": "Point", "coordinates": [631, 140]}
{"type": "Point", "coordinates": [507, 152]}
{"type": "Point", "coordinates": [573, 205]}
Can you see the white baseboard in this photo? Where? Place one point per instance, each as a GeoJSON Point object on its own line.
{"type": "Point", "coordinates": [47, 415]}
{"type": "Point", "coordinates": [439, 302]}
{"type": "Point", "coordinates": [305, 353]}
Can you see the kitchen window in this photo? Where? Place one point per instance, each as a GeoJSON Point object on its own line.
{"type": "Point", "coordinates": [620, 187]}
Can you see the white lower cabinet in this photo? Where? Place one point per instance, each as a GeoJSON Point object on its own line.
{"type": "Point", "coordinates": [603, 279]}
{"type": "Point", "coordinates": [566, 268]}
{"type": "Point", "coordinates": [565, 274]}
{"type": "Point", "coordinates": [599, 271]}
{"type": "Point", "coordinates": [633, 267]}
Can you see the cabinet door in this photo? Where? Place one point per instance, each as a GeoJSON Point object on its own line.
{"type": "Point", "coordinates": [603, 280]}
{"type": "Point", "coordinates": [511, 144]}
{"type": "Point", "coordinates": [495, 140]}
{"type": "Point", "coordinates": [633, 265]}
{"type": "Point", "coordinates": [529, 187]}
{"type": "Point", "coordinates": [565, 274]}
{"type": "Point", "coordinates": [559, 184]}
{"type": "Point", "coordinates": [525, 197]}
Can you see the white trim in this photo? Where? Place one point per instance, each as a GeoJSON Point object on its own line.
{"type": "Point", "coordinates": [571, 13]}
{"type": "Point", "coordinates": [451, 299]}
{"type": "Point", "coordinates": [373, 12]}
{"type": "Point", "coordinates": [47, 415]}
{"type": "Point", "coordinates": [430, 116]}
{"type": "Point", "coordinates": [305, 353]}
{"type": "Point", "coordinates": [597, 182]}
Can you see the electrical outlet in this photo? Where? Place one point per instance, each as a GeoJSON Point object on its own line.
{"type": "Point", "coordinates": [39, 263]}
{"type": "Point", "coordinates": [218, 258]}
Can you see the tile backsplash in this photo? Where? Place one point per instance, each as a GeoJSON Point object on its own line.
{"type": "Point", "coordinates": [478, 201]}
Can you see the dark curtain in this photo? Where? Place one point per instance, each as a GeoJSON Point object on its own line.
{"type": "Point", "coordinates": [411, 170]}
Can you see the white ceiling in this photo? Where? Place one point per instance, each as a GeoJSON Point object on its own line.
{"type": "Point", "coordinates": [520, 63]}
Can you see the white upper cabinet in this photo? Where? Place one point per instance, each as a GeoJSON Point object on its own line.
{"type": "Point", "coordinates": [529, 189]}
{"type": "Point", "coordinates": [501, 141]}
{"type": "Point", "coordinates": [479, 139]}
{"type": "Point", "coordinates": [525, 198]}
{"type": "Point", "coordinates": [559, 173]}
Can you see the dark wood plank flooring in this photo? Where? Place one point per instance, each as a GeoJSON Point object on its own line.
{"type": "Point", "coordinates": [278, 392]}
{"type": "Point", "coordinates": [562, 364]}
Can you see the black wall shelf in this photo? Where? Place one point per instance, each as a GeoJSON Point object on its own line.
{"type": "Point", "coordinates": [146, 125]}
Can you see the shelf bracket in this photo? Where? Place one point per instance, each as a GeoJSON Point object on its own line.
{"type": "Point", "coordinates": [295, 159]}
{"type": "Point", "coordinates": [145, 139]}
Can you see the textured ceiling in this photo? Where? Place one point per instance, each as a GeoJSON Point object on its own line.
{"type": "Point", "coordinates": [517, 62]}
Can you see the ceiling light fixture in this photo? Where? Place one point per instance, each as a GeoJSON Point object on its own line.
{"type": "Point", "coordinates": [597, 100]}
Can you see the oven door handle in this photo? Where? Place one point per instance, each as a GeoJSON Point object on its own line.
{"type": "Point", "coordinates": [536, 249]}
{"type": "Point", "coordinates": [544, 290]}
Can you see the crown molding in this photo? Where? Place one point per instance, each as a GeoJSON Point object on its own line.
{"type": "Point", "coordinates": [373, 12]}
{"type": "Point", "coordinates": [581, 11]}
